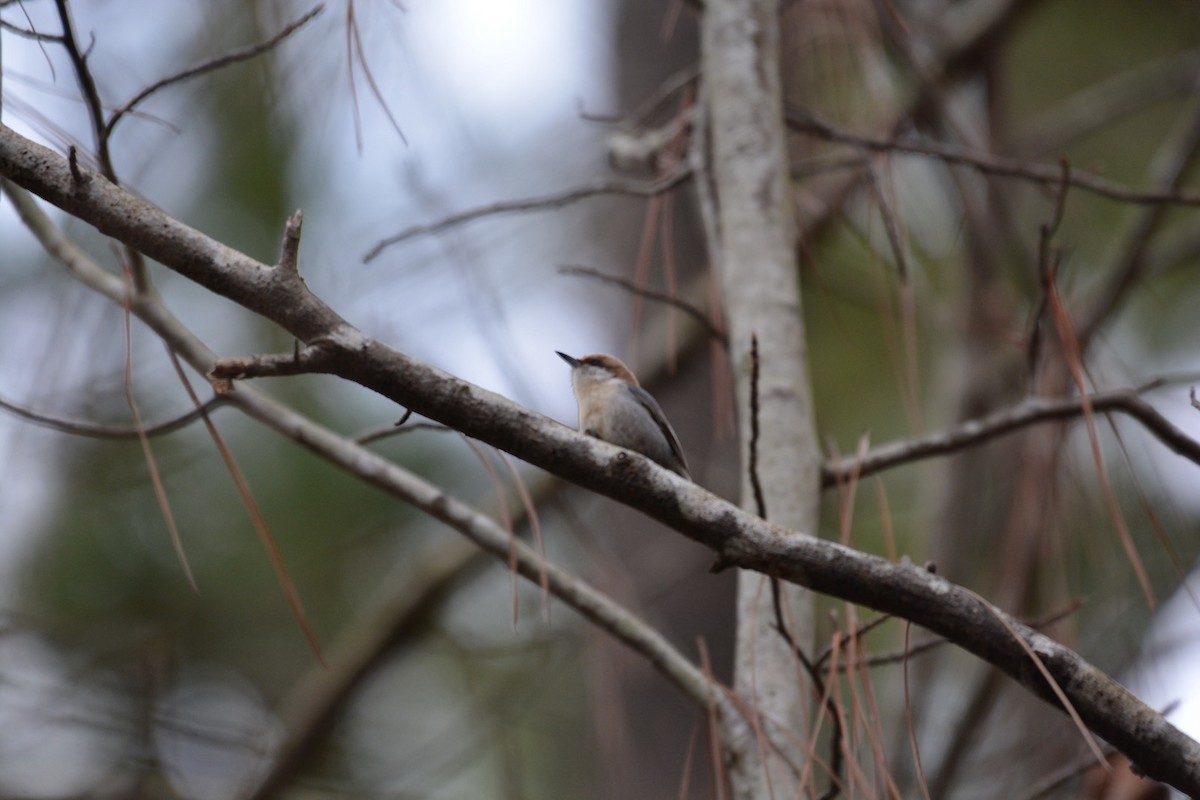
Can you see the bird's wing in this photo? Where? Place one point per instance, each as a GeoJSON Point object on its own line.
{"type": "Point", "coordinates": [651, 405]}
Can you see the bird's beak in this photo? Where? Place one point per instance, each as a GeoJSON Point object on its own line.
{"type": "Point", "coordinates": [574, 362]}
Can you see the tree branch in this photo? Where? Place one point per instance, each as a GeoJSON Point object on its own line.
{"type": "Point", "coordinates": [641, 291]}
{"type": "Point", "coordinates": [804, 121]}
{"type": "Point", "coordinates": [1104, 102]}
{"type": "Point", "coordinates": [555, 200]}
{"type": "Point", "coordinates": [97, 430]}
{"type": "Point", "coordinates": [26, 33]}
{"type": "Point", "coordinates": [314, 358]}
{"type": "Point", "coordinates": [1168, 167]}
{"type": "Point", "coordinates": [87, 86]}
{"type": "Point", "coordinates": [1033, 411]}
{"type": "Point", "coordinates": [210, 65]}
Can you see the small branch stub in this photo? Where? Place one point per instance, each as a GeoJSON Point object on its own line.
{"type": "Point", "coordinates": [289, 253]}
{"type": "Point", "coordinates": [313, 358]}
{"type": "Point", "coordinates": [77, 174]}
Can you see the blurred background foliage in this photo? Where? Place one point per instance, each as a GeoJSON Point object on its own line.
{"type": "Point", "coordinates": [117, 681]}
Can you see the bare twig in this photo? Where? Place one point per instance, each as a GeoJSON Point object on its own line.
{"type": "Point", "coordinates": [27, 33]}
{"type": "Point", "coordinates": [1033, 411]}
{"type": "Point", "coordinates": [1047, 266]}
{"type": "Point", "coordinates": [716, 756]}
{"type": "Point", "coordinates": [209, 65]}
{"type": "Point", "coordinates": [887, 659]}
{"type": "Point", "coordinates": [543, 203]}
{"type": "Point", "coordinates": [821, 691]}
{"type": "Point", "coordinates": [858, 633]}
{"type": "Point", "coordinates": [1168, 168]}
{"type": "Point", "coordinates": [1049, 229]}
{"type": "Point", "coordinates": [908, 714]}
{"type": "Point", "coordinates": [1101, 103]}
{"type": "Point", "coordinates": [94, 430]}
{"type": "Point", "coordinates": [355, 55]}
{"type": "Point", "coordinates": [1073, 347]}
{"type": "Point", "coordinates": [313, 358]}
{"type": "Point", "coordinates": [662, 93]}
{"type": "Point", "coordinates": [760, 503]}
{"type": "Point", "coordinates": [91, 97]}
{"type": "Point", "coordinates": [1042, 174]}
{"type": "Point", "coordinates": [282, 574]}
{"type": "Point", "coordinates": [535, 528]}
{"type": "Point", "coordinates": [388, 431]}
{"type": "Point", "coordinates": [1052, 682]}
{"type": "Point", "coordinates": [650, 294]}
{"type": "Point", "coordinates": [160, 491]}
{"type": "Point", "coordinates": [1167, 379]}
{"type": "Point", "coordinates": [87, 85]}
{"type": "Point", "coordinates": [1066, 773]}
{"type": "Point", "coordinates": [891, 225]}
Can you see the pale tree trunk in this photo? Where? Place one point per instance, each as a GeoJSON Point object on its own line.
{"type": "Point", "coordinates": [754, 256]}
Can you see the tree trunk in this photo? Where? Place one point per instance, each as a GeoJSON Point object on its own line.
{"type": "Point", "coordinates": [754, 242]}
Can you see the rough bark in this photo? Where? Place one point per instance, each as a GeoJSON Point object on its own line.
{"type": "Point", "coordinates": [755, 237]}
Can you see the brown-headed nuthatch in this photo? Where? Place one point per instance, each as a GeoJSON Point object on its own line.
{"type": "Point", "coordinates": [613, 407]}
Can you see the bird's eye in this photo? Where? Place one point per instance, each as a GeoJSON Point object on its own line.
{"type": "Point", "coordinates": [592, 362]}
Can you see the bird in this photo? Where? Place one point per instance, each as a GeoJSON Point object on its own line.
{"type": "Point", "coordinates": [615, 408]}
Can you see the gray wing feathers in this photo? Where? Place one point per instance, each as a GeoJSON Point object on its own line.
{"type": "Point", "coordinates": [651, 405]}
